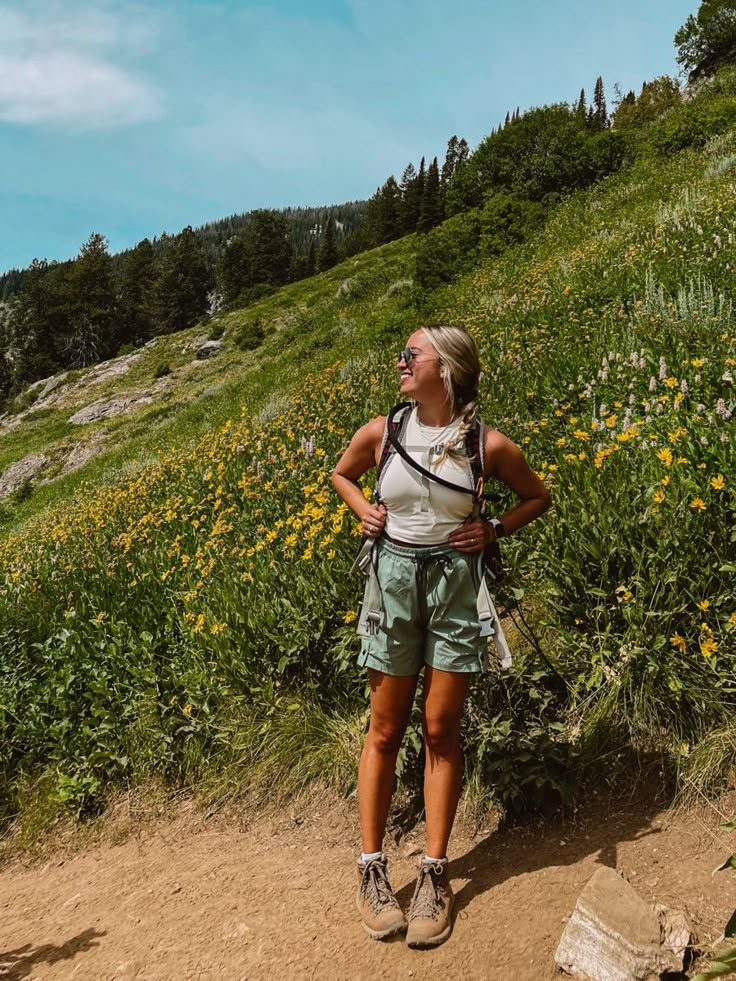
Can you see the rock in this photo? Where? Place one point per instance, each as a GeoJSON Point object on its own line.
{"type": "Point", "coordinates": [410, 848]}
{"type": "Point", "coordinates": [104, 408]}
{"type": "Point", "coordinates": [112, 368]}
{"type": "Point", "coordinates": [677, 931]}
{"type": "Point", "coordinates": [83, 452]}
{"type": "Point", "coordinates": [613, 935]}
{"type": "Point", "coordinates": [208, 349]}
{"type": "Point", "coordinates": [14, 475]}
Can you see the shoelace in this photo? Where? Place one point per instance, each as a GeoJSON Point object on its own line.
{"type": "Point", "coordinates": [426, 903]}
{"type": "Point", "coordinates": [376, 886]}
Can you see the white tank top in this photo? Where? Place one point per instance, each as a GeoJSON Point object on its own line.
{"type": "Point", "coordinates": [419, 510]}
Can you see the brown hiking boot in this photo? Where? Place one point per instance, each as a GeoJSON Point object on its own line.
{"type": "Point", "coordinates": [382, 915]}
{"type": "Point", "coordinates": [430, 913]}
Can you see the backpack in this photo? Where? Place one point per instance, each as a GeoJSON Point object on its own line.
{"type": "Point", "coordinates": [474, 447]}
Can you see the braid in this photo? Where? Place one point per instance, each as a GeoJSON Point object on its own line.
{"type": "Point", "coordinates": [467, 421]}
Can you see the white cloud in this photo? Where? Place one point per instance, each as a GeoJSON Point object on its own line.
{"type": "Point", "coordinates": [67, 66]}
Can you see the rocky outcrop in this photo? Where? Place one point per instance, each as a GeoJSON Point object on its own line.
{"type": "Point", "coordinates": [14, 475]}
{"type": "Point", "coordinates": [105, 408]}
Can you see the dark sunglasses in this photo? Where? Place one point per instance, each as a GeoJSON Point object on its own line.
{"type": "Point", "coordinates": [407, 354]}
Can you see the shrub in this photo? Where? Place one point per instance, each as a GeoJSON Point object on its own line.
{"type": "Point", "coordinates": [161, 370]}
{"type": "Point", "coordinates": [448, 250]}
{"type": "Point", "coordinates": [250, 336]}
{"type": "Point", "coordinates": [506, 220]}
{"type": "Point", "coordinates": [216, 331]}
{"type": "Point", "coordinates": [125, 349]}
{"type": "Point", "coordinates": [692, 125]}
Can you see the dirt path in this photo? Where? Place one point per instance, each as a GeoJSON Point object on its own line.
{"type": "Point", "coordinates": [185, 900]}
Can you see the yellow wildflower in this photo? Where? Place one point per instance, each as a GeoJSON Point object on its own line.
{"type": "Point", "coordinates": [659, 496]}
{"type": "Point", "coordinates": [697, 504]}
{"type": "Point", "coordinates": [708, 647]}
{"type": "Point", "coordinates": [350, 616]}
{"type": "Point", "coordinates": [677, 641]}
{"type": "Point", "coordinates": [717, 483]}
{"type": "Point", "coordinates": [665, 456]}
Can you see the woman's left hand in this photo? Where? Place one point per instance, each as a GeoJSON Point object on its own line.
{"type": "Point", "coordinates": [472, 536]}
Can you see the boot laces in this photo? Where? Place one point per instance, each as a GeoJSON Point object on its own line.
{"type": "Point", "coordinates": [427, 903]}
{"type": "Point", "coordinates": [376, 886]}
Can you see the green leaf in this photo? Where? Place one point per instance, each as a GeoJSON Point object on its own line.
{"type": "Point", "coordinates": [729, 825]}
{"type": "Point", "coordinates": [730, 863]}
{"type": "Point", "coordinates": [730, 928]}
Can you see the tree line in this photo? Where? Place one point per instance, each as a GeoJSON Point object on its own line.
{"type": "Point", "coordinates": [74, 314]}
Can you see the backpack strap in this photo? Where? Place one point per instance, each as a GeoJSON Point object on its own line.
{"type": "Point", "coordinates": [393, 429]}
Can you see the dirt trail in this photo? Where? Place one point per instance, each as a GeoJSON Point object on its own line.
{"type": "Point", "coordinates": [274, 899]}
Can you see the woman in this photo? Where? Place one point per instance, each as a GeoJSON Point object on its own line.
{"type": "Point", "coordinates": [426, 560]}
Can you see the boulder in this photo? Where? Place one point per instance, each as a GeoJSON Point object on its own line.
{"type": "Point", "coordinates": [613, 935]}
{"type": "Point", "coordinates": [14, 475]}
{"type": "Point", "coordinates": [208, 349]}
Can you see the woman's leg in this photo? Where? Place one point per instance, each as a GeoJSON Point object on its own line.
{"type": "Point", "coordinates": [391, 701]}
{"type": "Point", "coordinates": [444, 695]}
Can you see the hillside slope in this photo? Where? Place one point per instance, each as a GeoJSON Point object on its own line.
{"type": "Point", "coordinates": [194, 619]}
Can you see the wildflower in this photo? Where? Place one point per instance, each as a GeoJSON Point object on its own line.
{"type": "Point", "coordinates": [677, 641]}
{"type": "Point", "coordinates": [659, 496]}
{"type": "Point", "coordinates": [708, 647]}
{"type": "Point", "coordinates": [717, 483]}
{"type": "Point", "coordinates": [350, 616]}
{"type": "Point", "coordinates": [665, 456]}
{"type": "Point", "coordinates": [665, 480]}
{"type": "Point", "coordinates": [703, 604]}
{"type": "Point", "coordinates": [581, 434]}
{"type": "Point", "coordinates": [732, 620]}
{"type": "Point", "coordinates": [697, 504]}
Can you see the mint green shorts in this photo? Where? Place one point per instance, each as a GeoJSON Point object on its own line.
{"type": "Point", "coordinates": [428, 614]}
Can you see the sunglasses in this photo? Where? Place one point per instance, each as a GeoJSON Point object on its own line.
{"type": "Point", "coordinates": [407, 354]}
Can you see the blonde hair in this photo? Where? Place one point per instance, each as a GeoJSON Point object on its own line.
{"type": "Point", "coordinates": [460, 363]}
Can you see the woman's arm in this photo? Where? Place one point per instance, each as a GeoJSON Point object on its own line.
{"type": "Point", "coordinates": [506, 462]}
{"type": "Point", "coordinates": [358, 458]}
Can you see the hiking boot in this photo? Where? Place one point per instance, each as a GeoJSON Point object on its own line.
{"type": "Point", "coordinates": [382, 915]}
{"type": "Point", "coordinates": [430, 913]}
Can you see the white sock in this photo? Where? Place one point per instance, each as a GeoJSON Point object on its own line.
{"type": "Point", "coordinates": [369, 856]}
{"type": "Point", "coordinates": [434, 861]}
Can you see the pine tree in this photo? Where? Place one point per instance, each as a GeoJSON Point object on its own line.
{"type": "Point", "coordinates": [312, 258]}
{"type": "Point", "coordinates": [182, 288]}
{"type": "Point", "coordinates": [35, 325]}
{"type": "Point", "coordinates": [93, 329]}
{"type": "Point", "coordinates": [507, 120]}
{"type": "Point", "coordinates": [388, 217]}
{"type": "Point", "coordinates": [600, 115]}
{"type": "Point", "coordinates": [463, 152]}
{"type": "Point", "coordinates": [327, 255]}
{"type": "Point", "coordinates": [409, 209]}
{"type": "Point", "coordinates": [267, 242]}
{"type": "Point", "coordinates": [452, 156]}
{"type": "Point", "coordinates": [135, 307]}
{"type": "Point", "coordinates": [421, 187]}
{"type": "Point", "coordinates": [233, 270]}
{"type": "Point", "coordinates": [581, 110]}
{"type": "Point", "coordinates": [431, 213]}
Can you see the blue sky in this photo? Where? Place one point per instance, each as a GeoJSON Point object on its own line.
{"type": "Point", "coordinates": [130, 119]}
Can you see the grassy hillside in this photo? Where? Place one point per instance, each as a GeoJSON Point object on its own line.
{"type": "Point", "coordinates": [192, 617]}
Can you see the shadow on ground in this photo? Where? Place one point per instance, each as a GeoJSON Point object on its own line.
{"type": "Point", "coordinates": [21, 962]}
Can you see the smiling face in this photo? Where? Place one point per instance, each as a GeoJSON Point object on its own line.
{"type": "Point", "coordinates": [421, 379]}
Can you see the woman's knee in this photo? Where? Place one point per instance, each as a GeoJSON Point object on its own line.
{"type": "Point", "coordinates": [385, 737]}
{"type": "Point", "coordinates": [442, 735]}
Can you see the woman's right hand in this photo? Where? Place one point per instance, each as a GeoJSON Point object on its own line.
{"type": "Point", "coordinates": [373, 520]}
